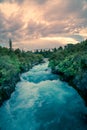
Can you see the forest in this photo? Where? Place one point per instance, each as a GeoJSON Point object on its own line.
{"type": "Point", "coordinates": [70, 63]}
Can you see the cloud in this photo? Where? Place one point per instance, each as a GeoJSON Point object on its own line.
{"type": "Point", "coordinates": [40, 1]}
{"type": "Point", "coordinates": [36, 20]}
{"type": "Point", "coordinates": [11, 28]}
{"type": "Point", "coordinates": [12, 1]}
{"type": "Point", "coordinates": [1, 0]}
{"type": "Point", "coordinates": [2, 26]}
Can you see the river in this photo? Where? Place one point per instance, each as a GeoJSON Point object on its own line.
{"type": "Point", "coordinates": [42, 102]}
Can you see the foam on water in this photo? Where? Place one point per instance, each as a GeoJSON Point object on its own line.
{"type": "Point", "coordinates": [43, 102]}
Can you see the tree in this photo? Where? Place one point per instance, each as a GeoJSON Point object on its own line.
{"type": "Point", "coordinates": [60, 48]}
{"type": "Point", "coordinates": [10, 44]}
{"type": "Point", "coordinates": [17, 52]}
{"type": "Point", "coordinates": [54, 49]}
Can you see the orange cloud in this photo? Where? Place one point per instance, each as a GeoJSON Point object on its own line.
{"type": "Point", "coordinates": [43, 21]}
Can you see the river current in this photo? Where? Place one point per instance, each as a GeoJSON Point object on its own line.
{"type": "Point", "coordinates": [42, 102]}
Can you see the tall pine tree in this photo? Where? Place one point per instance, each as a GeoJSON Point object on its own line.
{"type": "Point", "coordinates": [10, 44]}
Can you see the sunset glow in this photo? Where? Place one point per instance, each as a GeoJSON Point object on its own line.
{"type": "Point", "coordinates": [38, 22]}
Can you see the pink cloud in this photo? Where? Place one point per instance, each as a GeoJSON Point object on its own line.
{"type": "Point", "coordinates": [36, 20]}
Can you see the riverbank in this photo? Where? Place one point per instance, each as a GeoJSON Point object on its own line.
{"type": "Point", "coordinates": [12, 64]}
{"type": "Point", "coordinates": [80, 85]}
{"type": "Point", "coordinates": [71, 64]}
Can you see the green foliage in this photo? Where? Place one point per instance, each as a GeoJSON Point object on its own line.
{"type": "Point", "coordinates": [71, 61]}
{"type": "Point", "coordinates": [14, 62]}
{"type": "Point", "coordinates": [8, 67]}
{"type": "Point", "coordinates": [44, 53]}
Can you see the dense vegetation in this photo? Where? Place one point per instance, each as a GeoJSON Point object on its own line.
{"type": "Point", "coordinates": [44, 53]}
{"type": "Point", "coordinates": [12, 63]}
{"type": "Point", "coordinates": [71, 63]}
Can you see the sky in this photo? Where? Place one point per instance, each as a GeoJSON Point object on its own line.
{"type": "Point", "coordinates": [35, 24]}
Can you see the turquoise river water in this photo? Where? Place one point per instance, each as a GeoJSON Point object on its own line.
{"type": "Point", "coordinates": [42, 102]}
